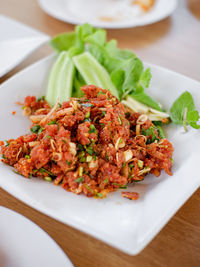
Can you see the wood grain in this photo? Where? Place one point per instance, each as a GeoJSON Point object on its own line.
{"type": "Point", "coordinates": [173, 43]}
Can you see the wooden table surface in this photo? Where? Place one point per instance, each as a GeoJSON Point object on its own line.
{"type": "Point", "coordinates": [173, 43]}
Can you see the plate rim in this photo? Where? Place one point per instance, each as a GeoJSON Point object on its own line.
{"type": "Point", "coordinates": [38, 229]}
{"type": "Point", "coordinates": [43, 37]}
{"type": "Point", "coordinates": [107, 25]}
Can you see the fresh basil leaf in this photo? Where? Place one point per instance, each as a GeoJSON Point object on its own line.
{"type": "Point", "coordinates": [183, 111]}
{"type": "Point", "coordinates": [192, 118]}
{"type": "Point", "coordinates": [185, 101]}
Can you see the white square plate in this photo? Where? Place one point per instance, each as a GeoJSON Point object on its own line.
{"type": "Point", "coordinates": [17, 41]}
{"type": "Point", "coordinates": [126, 225]}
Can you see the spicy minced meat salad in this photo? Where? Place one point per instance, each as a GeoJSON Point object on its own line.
{"type": "Point", "coordinates": [91, 145]}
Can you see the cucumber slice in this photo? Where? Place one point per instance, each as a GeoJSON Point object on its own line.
{"type": "Point", "coordinates": [93, 72]}
{"type": "Point", "coordinates": [51, 94]}
{"type": "Point", "coordinates": [60, 79]}
{"type": "Point", "coordinates": [65, 79]}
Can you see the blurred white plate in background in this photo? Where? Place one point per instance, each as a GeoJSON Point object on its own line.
{"type": "Point", "coordinates": [17, 41]}
{"type": "Point", "coordinates": [107, 13]}
{"type": "Point", "coordinates": [24, 244]}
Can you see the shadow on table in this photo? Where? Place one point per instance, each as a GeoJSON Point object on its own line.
{"type": "Point", "coordinates": [194, 7]}
{"type": "Point", "coordinates": [140, 37]}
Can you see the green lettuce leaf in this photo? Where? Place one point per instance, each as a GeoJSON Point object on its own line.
{"type": "Point", "coordinates": [63, 41]}
{"type": "Point", "coordinates": [126, 70]}
{"type": "Point", "coordinates": [146, 99]}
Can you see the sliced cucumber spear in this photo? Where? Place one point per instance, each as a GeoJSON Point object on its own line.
{"type": "Point", "coordinates": [65, 79]}
{"type": "Point", "coordinates": [93, 72]}
{"type": "Point", "coordinates": [60, 79]}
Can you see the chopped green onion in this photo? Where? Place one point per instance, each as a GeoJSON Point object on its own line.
{"type": "Point", "coordinates": [90, 189]}
{"type": "Point", "coordinates": [48, 136]}
{"type": "Point", "coordinates": [80, 147]}
{"type": "Point", "coordinates": [87, 115]}
{"type": "Point", "coordinates": [99, 195]}
{"type": "Point", "coordinates": [106, 181]}
{"type": "Point", "coordinates": [87, 120]}
{"type": "Point", "coordinates": [3, 156]}
{"type": "Point", "coordinates": [90, 151]}
{"type": "Point", "coordinates": [35, 128]}
{"type": "Point", "coordinates": [130, 175]}
{"type": "Point", "coordinates": [68, 162]}
{"type": "Point", "coordinates": [137, 181]}
{"type": "Point", "coordinates": [87, 105]}
{"type": "Point", "coordinates": [140, 163]}
{"type": "Point", "coordinates": [150, 132]}
{"type": "Point", "coordinates": [82, 159]}
{"type": "Point", "coordinates": [52, 122]}
{"type": "Point", "coordinates": [100, 93]}
{"type": "Point", "coordinates": [40, 130]}
{"type": "Point", "coordinates": [103, 112]}
{"type": "Point", "coordinates": [41, 98]}
{"type": "Point", "coordinates": [120, 122]}
{"type": "Point", "coordinates": [123, 164]}
{"type": "Point", "coordinates": [120, 185]}
{"type": "Point", "coordinates": [27, 156]}
{"type": "Point", "coordinates": [91, 176]}
{"type": "Point", "coordinates": [7, 143]}
{"type": "Point", "coordinates": [47, 178]}
{"type": "Point", "coordinates": [42, 170]}
{"type": "Point", "coordinates": [121, 140]}
{"type": "Point", "coordinates": [107, 158]}
{"type": "Point", "coordinates": [160, 132]}
{"type": "Point", "coordinates": [79, 180]}
{"type": "Point", "coordinates": [81, 154]}
{"type": "Point", "coordinates": [88, 158]}
{"type": "Point", "coordinates": [80, 172]}
{"type": "Point", "coordinates": [92, 129]}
